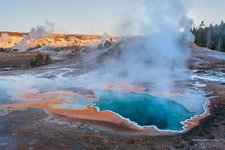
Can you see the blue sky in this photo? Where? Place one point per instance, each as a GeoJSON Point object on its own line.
{"type": "Point", "coordinates": [87, 16]}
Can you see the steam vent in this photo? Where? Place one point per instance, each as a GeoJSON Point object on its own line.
{"type": "Point", "coordinates": [144, 74]}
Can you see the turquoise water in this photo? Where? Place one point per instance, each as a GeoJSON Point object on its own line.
{"type": "Point", "coordinates": [144, 109]}
{"type": "Point", "coordinates": [3, 142]}
{"type": "Point", "coordinates": [4, 98]}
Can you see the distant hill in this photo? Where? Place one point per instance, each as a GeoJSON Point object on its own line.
{"type": "Point", "coordinates": [15, 40]}
{"type": "Point", "coordinates": [14, 33]}
{"type": "Point", "coordinates": [26, 33]}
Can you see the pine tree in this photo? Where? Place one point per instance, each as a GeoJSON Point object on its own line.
{"type": "Point", "coordinates": [212, 37]}
{"type": "Point", "coordinates": [32, 62]}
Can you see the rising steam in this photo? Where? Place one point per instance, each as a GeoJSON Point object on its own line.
{"type": "Point", "coordinates": [157, 55]}
{"type": "Point", "coordinates": [34, 35]}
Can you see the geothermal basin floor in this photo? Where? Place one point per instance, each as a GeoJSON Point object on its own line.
{"type": "Point", "coordinates": [37, 129]}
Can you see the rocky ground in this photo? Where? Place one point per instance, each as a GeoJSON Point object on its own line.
{"type": "Point", "coordinates": [35, 128]}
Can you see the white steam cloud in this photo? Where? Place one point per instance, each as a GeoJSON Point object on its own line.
{"type": "Point", "coordinates": [158, 54]}
{"type": "Point", "coordinates": [34, 35]}
{"type": "Point", "coordinates": [39, 31]}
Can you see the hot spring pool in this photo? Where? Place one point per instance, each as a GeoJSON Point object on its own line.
{"type": "Point", "coordinates": [144, 109]}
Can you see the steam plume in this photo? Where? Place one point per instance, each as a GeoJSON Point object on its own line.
{"type": "Point", "coordinates": [34, 35]}
{"type": "Point", "coordinates": [158, 54]}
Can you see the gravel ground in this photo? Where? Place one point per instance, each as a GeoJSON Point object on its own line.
{"type": "Point", "coordinates": [31, 129]}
